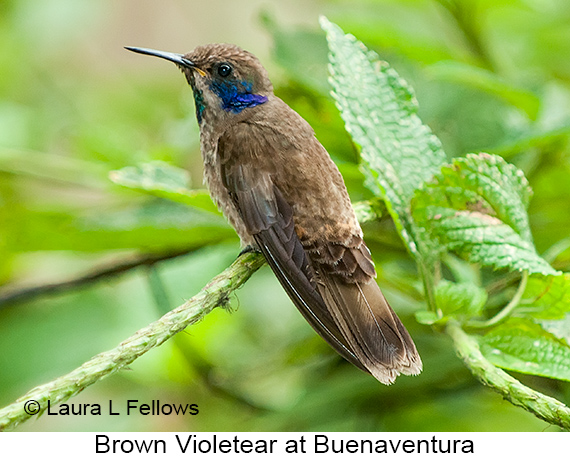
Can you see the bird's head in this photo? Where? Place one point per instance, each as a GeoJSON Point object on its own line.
{"type": "Point", "coordinates": [225, 79]}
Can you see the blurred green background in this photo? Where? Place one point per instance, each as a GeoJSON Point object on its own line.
{"type": "Point", "coordinates": [489, 75]}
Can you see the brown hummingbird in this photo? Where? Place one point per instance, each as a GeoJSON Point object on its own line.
{"type": "Point", "coordinates": [279, 188]}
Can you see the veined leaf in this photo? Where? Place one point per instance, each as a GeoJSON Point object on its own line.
{"type": "Point", "coordinates": [477, 207]}
{"type": "Point", "coordinates": [524, 346]}
{"type": "Point", "coordinates": [379, 109]}
{"type": "Point", "coordinates": [487, 184]}
{"type": "Point", "coordinates": [164, 180]}
{"type": "Point", "coordinates": [546, 297]}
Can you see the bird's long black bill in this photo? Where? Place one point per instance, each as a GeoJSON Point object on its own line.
{"type": "Point", "coordinates": [178, 59]}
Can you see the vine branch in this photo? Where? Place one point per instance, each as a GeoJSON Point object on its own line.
{"type": "Point", "coordinates": [542, 406]}
{"type": "Point", "coordinates": [113, 270]}
{"type": "Point", "coordinates": [215, 294]}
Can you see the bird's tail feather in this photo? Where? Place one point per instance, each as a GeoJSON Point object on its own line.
{"type": "Point", "coordinates": [371, 328]}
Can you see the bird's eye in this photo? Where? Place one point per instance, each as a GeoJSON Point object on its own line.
{"type": "Point", "coordinates": [224, 70]}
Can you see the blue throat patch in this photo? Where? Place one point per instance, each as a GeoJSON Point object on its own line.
{"type": "Point", "coordinates": [235, 97]}
{"type": "Point", "coordinates": [200, 104]}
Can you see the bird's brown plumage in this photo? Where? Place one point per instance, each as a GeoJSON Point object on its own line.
{"type": "Point", "coordinates": [281, 191]}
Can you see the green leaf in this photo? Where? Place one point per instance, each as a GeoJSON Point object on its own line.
{"type": "Point", "coordinates": [486, 81]}
{"type": "Point", "coordinates": [524, 346]}
{"type": "Point", "coordinates": [427, 317]}
{"type": "Point", "coordinates": [379, 109]}
{"type": "Point", "coordinates": [368, 210]}
{"type": "Point", "coordinates": [164, 180]}
{"type": "Point", "coordinates": [487, 184]}
{"type": "Point", "coordinates": [477, 207]}
{"type": "Point", "coordinates": [152, 225]}
{"type": "Point", "coordinates": [42, 165]}
{"type": "Point", "coordinates": [546, 297]}
{"type": "Point", "coordinates": [460, 298]}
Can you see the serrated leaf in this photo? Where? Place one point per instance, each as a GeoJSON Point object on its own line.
{"type": "Point", "coordinates": [486, 240]}
{"type": "Point", "coordinates": [487, 184]}
{"type": "Point", "coordinates": [546, 297]}
{"type": "Point", "coordinates": [477, 207]}
{"type": "Point", "coordinates": [165, 181]}
{"type": "Point", "coordinates": [379, 109]}
{"type": "Point", "coordinates": [524, 346]}
{"type": "Point", "coordinates": [459, 298]}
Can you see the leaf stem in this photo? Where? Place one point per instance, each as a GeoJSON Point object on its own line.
{"type": "Point", "coordinates": [508, 309]}
{"type": "Point", "coordinates": [542, 406]}
{"type": "Point", "coordinates": [429, 285]}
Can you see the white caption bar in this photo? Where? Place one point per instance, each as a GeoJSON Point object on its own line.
{"type": "Point", "coordinates": [325, 444]}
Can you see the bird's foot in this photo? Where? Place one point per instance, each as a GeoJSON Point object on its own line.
{"type": "Point", "coordinates": [249, 248]}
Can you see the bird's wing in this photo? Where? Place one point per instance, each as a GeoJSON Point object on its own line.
{"type": "Point", "coordinates": [269, 219]}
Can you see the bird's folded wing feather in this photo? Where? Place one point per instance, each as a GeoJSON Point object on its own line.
{"type": "Point", "coordinates": [269, 219]}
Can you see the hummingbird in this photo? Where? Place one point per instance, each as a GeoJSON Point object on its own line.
{"type": "Point", "coordinates": [279, 188]}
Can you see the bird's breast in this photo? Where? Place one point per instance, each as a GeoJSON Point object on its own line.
{"type": "Point", "coordinates": [218, 192]}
